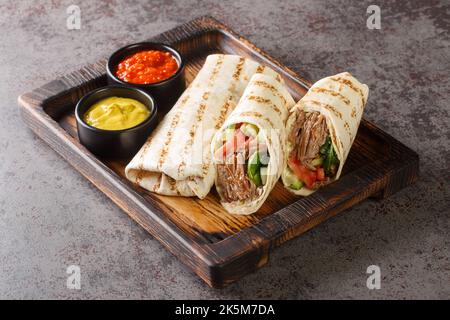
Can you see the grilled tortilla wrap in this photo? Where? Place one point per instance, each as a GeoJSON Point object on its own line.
{"type": "Point", "coordinates": [321, 129]}
{"type": "Point", "coordinates": [176, 160]}
{"type": "Point", "coordinates": [248, 150]}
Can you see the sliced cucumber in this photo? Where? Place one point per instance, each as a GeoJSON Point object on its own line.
{"type": "Point", "coordinates": [253, 169]}
{"type": "Point", "coordinates": [296, 185]}
{"type": "Point", "coordinates": [264, 157]}
{"type": "Point", "coordinates": [317, 162]}
{"type": "Point", "coordinates": [292, 181]}
{"type": "Point", "coordinates": [249, 129]}
{"type": "Point", "coordinates": [263, 172]}
{"type": "Point", "coordinates": [261, 138]}
{"type": "Point", "coordinates": [227, 134]}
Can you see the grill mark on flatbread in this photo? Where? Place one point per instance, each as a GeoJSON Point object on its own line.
{"type": "Point", "coordinates": [351, 86]}
{"type": "Point", "coordinates": [143, 174]}
{"type": "Point", "coordinates": [158, 183]}
{"type": "Point", "coordinates": [205, 169]}
{"type": "Point", "coordinates": [260, 68]}
{"type": "Point", "coordinates": [200, 112]}
{"type": "Point", "coordinates": [333, 138]}
{"type": "Point", "coordinates": [238, 70]}
{"type": "Point", "coordinates": [223, 114]}
{"type": "Point", "coordinates": [173, 185]}
{"type": "Point", "coordinates": [333, 93]}
{"type": "Point", "coordinates": [181, 167]}
{"type": "Point", "coordinates": [260, 83]}
{"type": "Point", "coordinates": [265, 101]}
{"type": "Point", "coordinates": [326, 106]}
{"type": "Point", "coordinates": [347, 128]}
{"type": "Point", "coordinates": [353, 113]}
{"type": "Point", "coordinates": [174, 123]}
{"type": "Point", "coordinates": [256, 115]}
{"type": "Point", "coordinates": [215, 71]}
{"type": "Point", "coordinates": [140, 169]}
{"type": "Point", "coordinates": [334, 110]}
{"type": "Point", "coordinates": [185, 99]}
{"type": "Point", "coordinates": [225, 108]}
{"type": "Point", "coordinates": [165, 149]}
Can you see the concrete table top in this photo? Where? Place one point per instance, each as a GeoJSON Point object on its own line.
{"type": "Point", "coordinates": [51, 217]}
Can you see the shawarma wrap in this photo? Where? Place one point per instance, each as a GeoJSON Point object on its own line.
{"type": "Point", "coordinates": [176, 158]}
{"type": "Point", "coordinates": [321, 129]}
{"type": "Point", "coordinates": [249, 149]}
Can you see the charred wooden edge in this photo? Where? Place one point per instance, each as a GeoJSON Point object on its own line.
{"type": "Point", "coordinates": [223, 262]}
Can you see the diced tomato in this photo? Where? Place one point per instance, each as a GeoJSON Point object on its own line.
{"type": "Point", "coordinates": [320, 174]}
{"type": "Point", "coordinates": [304, 174]}
{"type": "Point", "coordinates": [226, 147]}
{"type": "Point", "coordinates": [240, 139]}
{"type": "Point", "coordinates": [235, 143]}
{"type": "Point", "coordinates": [250, 143]}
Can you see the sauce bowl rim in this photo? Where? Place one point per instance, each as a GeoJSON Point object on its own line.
{"type": "Point", "coordinates": [110, 66]}
{"type": "Point", "coordinates": [79, 117]}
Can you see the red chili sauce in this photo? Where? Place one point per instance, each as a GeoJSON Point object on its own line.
{"type": "Point", "coordinates": [146, 67]}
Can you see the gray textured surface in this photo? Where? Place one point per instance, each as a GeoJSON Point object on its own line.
{"type": "Point", "coordinates": [51, 217]}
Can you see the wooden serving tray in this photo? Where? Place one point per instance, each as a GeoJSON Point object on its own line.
{"type": "Point", "coordinates": [219, 247]}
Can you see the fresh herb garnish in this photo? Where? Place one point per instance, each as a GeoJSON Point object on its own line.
{"type": "Point", "coordinates": [254, 169]}
{"type": "Point", "coordinates": [329, 156]}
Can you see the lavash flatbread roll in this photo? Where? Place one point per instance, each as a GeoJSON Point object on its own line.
{"type": "Point", "coordinates": [248, 150]}
{"type": "Point", "coordinates": [321, 129]}
{"type": "Point", "coordinates": [175, 160]}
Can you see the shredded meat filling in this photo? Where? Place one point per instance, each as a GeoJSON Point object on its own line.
{"type": "Point", "coordinates": [233, 181]}
{"type": "Point", "coordinates": [307, 136]}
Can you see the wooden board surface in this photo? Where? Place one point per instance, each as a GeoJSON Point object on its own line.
{"type": "Point", "coordinates": [218, 246]}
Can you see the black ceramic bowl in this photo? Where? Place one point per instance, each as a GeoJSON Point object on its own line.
{"type": "Point", "coordinates": [115, 143]}
{"type": "Point", "coordinates": [165, 92]}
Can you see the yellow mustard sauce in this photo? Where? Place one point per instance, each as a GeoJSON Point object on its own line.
{"type": "Point", "coordinates": [115, 113]}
